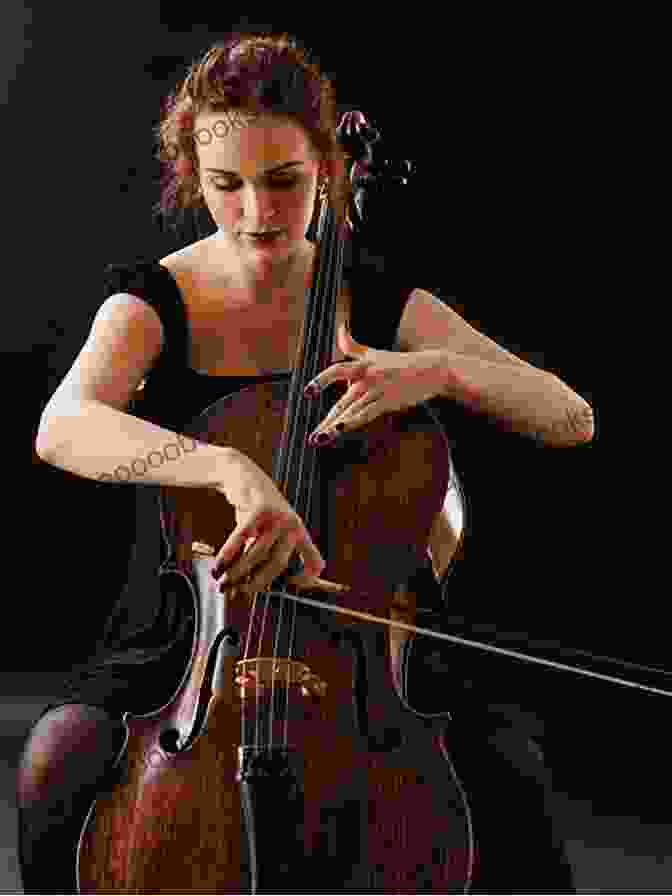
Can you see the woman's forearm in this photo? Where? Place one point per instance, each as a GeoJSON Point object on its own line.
{"type": "Point", "coordinates": [96, 441]}
{"type": "Point", "coordinates": [527, 399]}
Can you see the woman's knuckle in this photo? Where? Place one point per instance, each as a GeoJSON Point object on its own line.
{"type": "Point", "coordinates": [288, 532]}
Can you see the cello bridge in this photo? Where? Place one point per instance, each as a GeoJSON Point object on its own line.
{"type": "Point", "coordinates": [265, 674]}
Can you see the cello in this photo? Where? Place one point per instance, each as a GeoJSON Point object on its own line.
{"type": "Point", "coordinates": [319, 777]}
{"type": "Point", "coordinates": [313, 774]}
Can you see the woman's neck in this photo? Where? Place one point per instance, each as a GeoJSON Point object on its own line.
{"type": "Point", "coordinates": [284, 288]}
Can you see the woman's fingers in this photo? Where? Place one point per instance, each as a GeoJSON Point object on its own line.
{"type": "Point", "coordinates": [313, 562]}
{"type": "Point", "coordinates": [266, 557]}
{"type": "Point", "coordinates": [313, 583]}
{"type": "Point", "coordinates": [253, 549]}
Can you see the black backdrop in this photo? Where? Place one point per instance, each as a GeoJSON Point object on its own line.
{"type": "Point", "coordinates": [500, 207]}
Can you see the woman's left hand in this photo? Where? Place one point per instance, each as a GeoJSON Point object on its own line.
{"type": "Point", "coordinates": [379, 382]}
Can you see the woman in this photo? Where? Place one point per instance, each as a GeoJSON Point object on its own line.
{"type": "Point", "coordinates": [251, 136]}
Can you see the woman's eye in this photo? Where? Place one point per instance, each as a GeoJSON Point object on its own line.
{"type": "Point", "coordinates": [279, 182]}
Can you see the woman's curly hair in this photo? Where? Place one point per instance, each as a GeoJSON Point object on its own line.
{"type": "Point", "coordinates": [258, 73]}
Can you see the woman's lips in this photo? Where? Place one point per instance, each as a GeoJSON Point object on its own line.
{"type": "Point", "coordinates": [263, 239]}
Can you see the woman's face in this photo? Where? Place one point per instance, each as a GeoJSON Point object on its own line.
{"type": "Point", "coordinates": [258, 172]}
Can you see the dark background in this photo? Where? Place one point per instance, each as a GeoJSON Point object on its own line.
{"type": "Point", "coordinates": [511, 172]}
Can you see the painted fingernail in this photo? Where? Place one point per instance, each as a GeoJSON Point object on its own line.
{"type": "Point", "coordinates": [332, 436]}
{"type": "Point", "coordinates": [311, 391]}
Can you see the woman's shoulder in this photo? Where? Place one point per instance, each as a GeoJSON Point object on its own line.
{"type": "Point", "coordinates": [154, 279]}
{"type": "Point", "coordinates": [204, 276]}
{"type": "Point", "coordinates": [193, 259]}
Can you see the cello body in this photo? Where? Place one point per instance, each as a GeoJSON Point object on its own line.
{"type": "Point", "coordinates": [319, 778]}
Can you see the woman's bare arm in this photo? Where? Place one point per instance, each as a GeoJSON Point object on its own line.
{"type": "Point", "coordinates": [86, 430]}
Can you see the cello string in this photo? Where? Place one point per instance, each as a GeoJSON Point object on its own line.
{"type": "Point", "coordinates": [465, 642]}
{"type": "Point", "coordinates": [252, 619]}
{"type": "Point", "coordinates": [287, 690]}
{"type": "Point", "coordinates": [257, 677]}
{"type": "Point", "coordinates": [246, 653]}
{"type": "Point", "coordinates": [250, 628]}
{"type": "Point", "coordinates": [462, 641]}
{"type": "Point", "coordinates": [328, 272]}
{"type": "Point", "coordinates": [288, 440]}
{"type": "Point", "coordinates": [276, 640]}
{"type": "Point", "coordinates": [291, 442]}
{"type": "Point", "coordinates": [284, 700]}
{"type": "Point", "coordinates": [328, 261]}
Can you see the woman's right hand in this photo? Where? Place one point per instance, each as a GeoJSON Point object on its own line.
{"type": "Point", "coordinates": [268, 532]}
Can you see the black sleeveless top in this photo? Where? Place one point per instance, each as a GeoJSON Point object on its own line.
{"type": "Point", "coordinates": [146, 643]}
